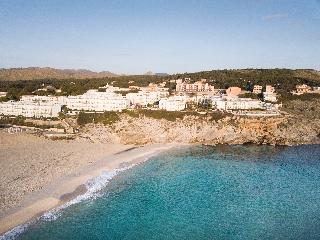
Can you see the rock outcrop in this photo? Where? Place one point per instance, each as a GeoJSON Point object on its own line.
{"type": "Point", "coordinates": [300, 124]}
{"type": "Point", "coordinates": [229, 130]}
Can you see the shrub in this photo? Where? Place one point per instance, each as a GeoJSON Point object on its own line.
{"type": "Point", "coordinates": [218, 115]}
{"type": "Point", "coordinates": [173, 116]}
{"type": "Point", "coordinates": [21, 121]}
{"type": "Point", "coordinates": [13, 120]}
{"type": "Point", "coordinates": [106, 118]}
{"type": "Point", "coordinates": [162, 114]}
{"type": "Point", "coordinates": [249, 95]}
{"type": "Point", "coordinates": [285, 97]}
{"type": "Point", "coordinates": [131, 113]}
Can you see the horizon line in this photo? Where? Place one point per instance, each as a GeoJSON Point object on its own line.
{"type": "Point", "coordinates": [158, 72]}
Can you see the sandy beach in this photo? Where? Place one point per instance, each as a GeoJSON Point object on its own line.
{"type": "Point", "coordinates": [39, 174]}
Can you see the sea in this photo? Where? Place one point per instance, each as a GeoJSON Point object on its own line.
{"type": "Point", "coordinates": [196, 192]}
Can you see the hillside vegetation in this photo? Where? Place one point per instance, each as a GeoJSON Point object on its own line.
{"type": "Point", "coordinates": [245, 78]}
{"type": "Point", "coordinates": [284, 80]}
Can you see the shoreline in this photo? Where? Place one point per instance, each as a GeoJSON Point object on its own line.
{"type": "Point", "coordinates": [69, 187]}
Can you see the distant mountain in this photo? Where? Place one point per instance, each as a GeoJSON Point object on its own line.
{"type": "Point", "coordinates": [31, 73]}
{"type": "Point", "coordinates": [161, 74]}
{"type": "Point", "coordinates": [156, 74]}
{"type": "Point", "coordinates": [149, 73]}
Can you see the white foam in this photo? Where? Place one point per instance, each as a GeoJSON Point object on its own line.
{"type": "Point", "coordinates": [94, 186]}
{"type": "Point", "coordinates": [15, 232]}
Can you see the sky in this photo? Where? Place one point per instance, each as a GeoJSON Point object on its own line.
{"type": "Point", "coordinates": [172, 36]}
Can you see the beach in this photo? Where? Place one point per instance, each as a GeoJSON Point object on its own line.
{"type": "Point", "coordinates": [188, 192]}
{"type": "Point", "coordinates": [38, 174]}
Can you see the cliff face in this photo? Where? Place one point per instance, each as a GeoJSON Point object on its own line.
{"type": "Point", "coordinates": [230, 130]}
{"type": "Point", "coordinates": [300, 125]}
{"type": "Point", "coordinates": [192, 130]}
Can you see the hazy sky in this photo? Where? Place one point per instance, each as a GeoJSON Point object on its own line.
{"type": "Point", "coordinates": [162, 36]}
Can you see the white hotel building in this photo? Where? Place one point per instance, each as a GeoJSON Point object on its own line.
{"type": "Point", "coordinates": [50, 106]}
{"type": "Point", "coordinates": [62, 100]}
{"type": "Point", "coordinates": [3, 94]}
{"type": "Point", "coordinates": [143, 98]}
{"type": "Point", "coordinates": [30, 109]}
{"type": "Point", "coordinates": [175, 103]}
{"type": "Point", "coordinates": [237, 104]}
{"type": "Point", "coordinates": [94, 100]}
{"type": "Point", "coordinates": [270, 95]}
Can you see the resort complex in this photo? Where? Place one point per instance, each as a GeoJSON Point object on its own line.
{"type": "Point", "coordinates": [157, 120]}
{"type": "Point", "coordinates": [153, 97]}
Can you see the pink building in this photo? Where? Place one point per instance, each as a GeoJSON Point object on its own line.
{"type": "Point", "coordinates": [301, 89]}
{"type": "Point", "coordinates": [233, 91]}
{"type": "Point", "coordinates": [269, 89]}
{"type": "Point", "coordinates": [257, 89]}
{"type": "Point", "coordinates": [199, 86]}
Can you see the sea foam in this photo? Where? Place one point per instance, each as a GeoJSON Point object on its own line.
{"type": "Point", "coordinates": [93, 186]}
{"type": "Point", "coordinates": [15, 232]}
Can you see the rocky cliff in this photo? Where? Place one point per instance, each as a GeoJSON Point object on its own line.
{"type": "Point", "coordinates": [286, 130]}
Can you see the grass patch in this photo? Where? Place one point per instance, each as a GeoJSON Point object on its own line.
{"type": "Point", "coordinates": [162, 114]}
{"type": "Point", "coordinates": [21, 121]}
{"type": "Point", "coordinates": [215, 116]}
{"type": "Point", "coordinates": [173, 116]}
{"type": "Point", "coordinates": [286, 97]}
{"type": "Point", "coordinates": [250, 95]}
{"type": "Point", "coordinates": [106, 118]}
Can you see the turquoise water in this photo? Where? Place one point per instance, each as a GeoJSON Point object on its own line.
{"type": "Point", "coordinates": [224, 192]}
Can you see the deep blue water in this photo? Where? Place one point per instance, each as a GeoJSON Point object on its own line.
{"type": "Point", "coordinates": [223, 192]}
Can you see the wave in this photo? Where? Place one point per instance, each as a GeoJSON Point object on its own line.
{"type": "Point", "coordinates": [15, 232]}
{"type": "Point", "coordinates": [93, 186]}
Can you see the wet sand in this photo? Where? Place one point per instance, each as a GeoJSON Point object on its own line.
{"type": "Point", "coordinates": [29, 163]}
{"type": "Point", "coordinates": [64, 187]}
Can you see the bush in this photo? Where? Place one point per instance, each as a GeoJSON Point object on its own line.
{"type": "Point", "coordinates": [285, 97]}
{"type": "Point", "coordinates": [13, 120]}
{"type": "Point", "coordinates": [21, 121]}
{"type": "Point", "coordinates": [173, 116]}
{"type": "Point", "coordinates": [249, 95]}
{"type": "Point", "coordinates": [106, 118]}
{"type": "Point", "coordinates": [4, 99]}
{"type": "Point", "coordinates": [131, 113]}
{"type": "Point", "coordinates": [218, 115]}
{"type": "Point", "coordinates": [157, 114]}
{"type": "Point", "coordinates": [162, 114]}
